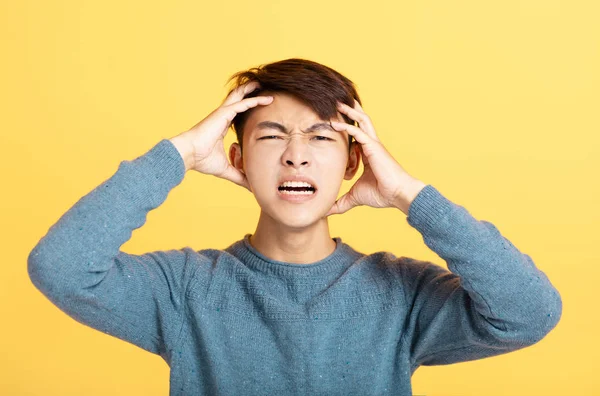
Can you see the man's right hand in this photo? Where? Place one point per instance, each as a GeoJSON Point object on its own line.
{"type": "Point", "coordinates": [202, 148]}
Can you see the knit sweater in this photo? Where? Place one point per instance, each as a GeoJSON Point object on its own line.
{"type": "Point", "coordinates": [235, 322]}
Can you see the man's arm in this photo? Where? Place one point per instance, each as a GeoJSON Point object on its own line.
{"type": "Point", "coordinates": [78, 265]}
{"type": "Point", "coordinates": [493, 301]}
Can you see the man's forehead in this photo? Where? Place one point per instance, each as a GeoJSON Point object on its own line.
{"type": "Point", "coordinates": [284, 119]}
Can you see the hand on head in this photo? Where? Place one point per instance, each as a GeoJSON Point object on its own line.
{"type": "Point", "coordinates": [202, 145]}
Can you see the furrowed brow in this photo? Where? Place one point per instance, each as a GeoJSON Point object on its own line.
{"type": "Point", "coordinates": [320, 125]}
{"type": "Point", "coordinates": [281, 128]}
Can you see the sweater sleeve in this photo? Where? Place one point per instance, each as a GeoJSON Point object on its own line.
{"type": "Point", "coordinates": [492, 301]}
{"type": "Point", "coordinates": [78, 266]}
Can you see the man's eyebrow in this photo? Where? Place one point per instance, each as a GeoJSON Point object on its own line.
{"type": "Point", "coordinates": [312, 128]}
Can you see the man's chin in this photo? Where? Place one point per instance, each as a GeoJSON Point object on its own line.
{"type": "Point", "coordinates": [298, 220]}
{"type": "Point", "coordinates": [295, 215]}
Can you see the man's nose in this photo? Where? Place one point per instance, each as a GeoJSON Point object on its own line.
{"type": "Point", "coordinates": [296, 152]}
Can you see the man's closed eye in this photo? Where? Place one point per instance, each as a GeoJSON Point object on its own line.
{"type": "Point", "coordinates": [274, 136]}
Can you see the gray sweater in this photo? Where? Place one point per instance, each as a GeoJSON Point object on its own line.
{"type": "Point", "coordinates": [234, 322]}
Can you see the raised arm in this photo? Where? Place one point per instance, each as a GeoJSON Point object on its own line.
{"type": "Point", "coordinates": [78, 264]}
{"type": "Point", "coordinates": [494, 300]}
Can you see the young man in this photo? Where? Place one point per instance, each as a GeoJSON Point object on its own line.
{"type": "Point", "coordinates": [288, 310]}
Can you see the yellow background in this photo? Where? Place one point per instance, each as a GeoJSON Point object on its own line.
{"type": "Point", "coordinates": [494, 103]}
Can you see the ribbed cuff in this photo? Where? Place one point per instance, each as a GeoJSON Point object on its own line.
{"type": "Point", "coordinates": [159, 170]}
{"type": "Point", "coordinates": [167, 162]}
{"type": "Point", "coordinates": [428, 208]}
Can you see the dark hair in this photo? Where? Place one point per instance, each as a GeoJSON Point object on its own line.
{"type": "Point", "coordinates": [314, 84]}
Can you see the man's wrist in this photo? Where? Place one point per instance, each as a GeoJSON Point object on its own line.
{"type": "Point", "coordinates": [408, 193]}
{"type": "Point", "coordinates": [185, 149]}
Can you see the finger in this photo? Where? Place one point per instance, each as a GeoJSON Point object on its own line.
{"type": "Point", "coordinates": [358, 106]}
{"type": "Point", "coordinates": [238, 94]}
{"type": "Point", "coordinates": [363, 156]}
{"type": "Point", "coordinates": [359, 116]}
{"type": "Point", "coordinates": [359, 135]}
{"type": "Point", "coordinates": [241, 91]}
{"type": "Point", "coordinates": [233, 109]}
{"type": "Point", "coordinates": [356, 132]}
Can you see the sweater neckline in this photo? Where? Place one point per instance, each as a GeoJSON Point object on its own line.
{"type": "Point", "coordinates": [341, 257]}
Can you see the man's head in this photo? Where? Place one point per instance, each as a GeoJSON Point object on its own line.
{"type": "Point", "coordinates": [292, 137]}
{"type": "Point", "coordinates": [317, 86]}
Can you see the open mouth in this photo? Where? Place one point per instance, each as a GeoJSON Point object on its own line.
{"type": "Point", "coordinates": [286, 190]}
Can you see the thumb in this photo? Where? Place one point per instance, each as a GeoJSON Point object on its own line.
{"type": "Point", "coordinates": [234, 175]}
{"type": "Point", "coordinates": [342, 205]}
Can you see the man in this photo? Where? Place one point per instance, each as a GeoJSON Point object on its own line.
{"type": "Point", "coordinates": [288, 310]}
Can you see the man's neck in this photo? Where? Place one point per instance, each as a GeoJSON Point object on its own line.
{"type": "Point", "coordinates": [279, 243]}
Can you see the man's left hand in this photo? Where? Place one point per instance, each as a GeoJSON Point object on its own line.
{"type": "Point", "coordinates": [383, 183]}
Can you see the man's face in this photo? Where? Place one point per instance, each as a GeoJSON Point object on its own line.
{"type": "Point", "coordinates": [272, 155]}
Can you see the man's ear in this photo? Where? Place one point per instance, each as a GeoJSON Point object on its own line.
{"type": "Point", "coordinates": [353, 161]}
{"type": "Point", "coordinates": [235, 157]}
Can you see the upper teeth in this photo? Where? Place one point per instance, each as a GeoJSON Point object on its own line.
{"type": "Point", "coordinates": [295, 184]}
